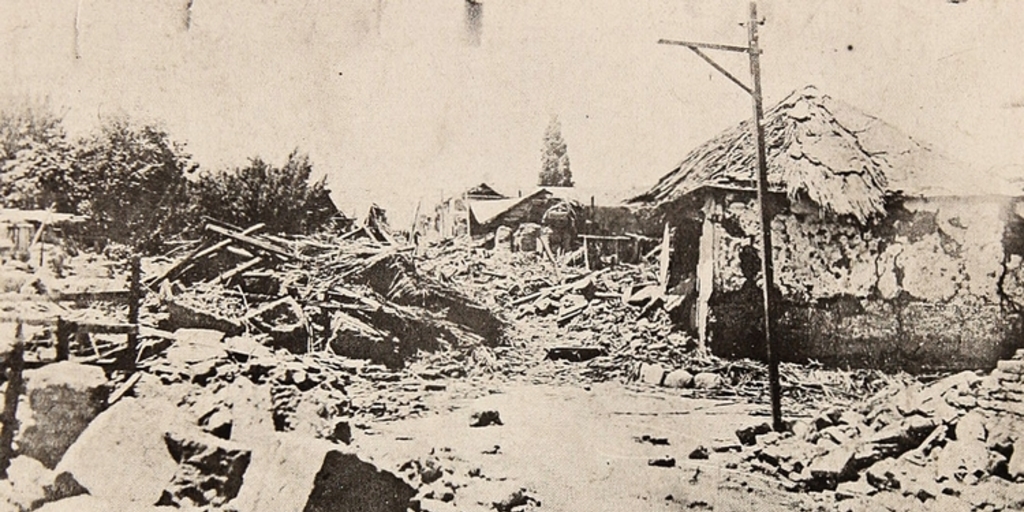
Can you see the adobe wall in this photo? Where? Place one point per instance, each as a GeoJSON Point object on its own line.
{"type": "Point", "coordinates": [932, 285]}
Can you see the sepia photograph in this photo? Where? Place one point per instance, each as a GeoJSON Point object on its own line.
{"type": "Point", "coordinates": [511, 255]}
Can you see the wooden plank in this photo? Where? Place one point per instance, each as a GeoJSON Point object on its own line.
{"type": "Point", "coordinates": [573, 312]}
{"type": "Point", "coordinates": [663, 259]}
{"type": "Point", "coordinates": [604, 238]}
{"type": "Point", "coordinates": [107, 328]}
{"type": "Point", "coordinates": [198, 253]}
{"type": "Point", "coordinates": [705, 274]}
{"type": "Point", "coordinates": [352, 233]}
{"type": "Point", "coordinates": [238, 251]}
{"type": "Point", "coordinates": [586, 254]}
{"type": "Point", "coordinates": [250, 241]}
{"type": "Point", "coordinates": [124, 388]}
{"type": "Point", "coordinates": [226, 276]}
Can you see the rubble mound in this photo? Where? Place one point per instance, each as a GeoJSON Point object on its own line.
{"type": "Point", "coordinates": [360, 298]}
{"type": "Point", "coordinates": [959, 436]}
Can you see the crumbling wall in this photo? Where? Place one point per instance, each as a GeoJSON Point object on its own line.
{"type": "Point", "coordinates": [929, 285]}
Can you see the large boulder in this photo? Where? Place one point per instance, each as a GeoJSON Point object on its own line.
{"type": "Point", "coordinates": [122, 457]}
{"type": "Point", "coordinates": [29, 484]}
{"type": "Point", "coordinates": [289, 472]}
{"type": "Point", "coordinates": [210, 469]}
{"type": "Point", "coordinates": [60, 401]}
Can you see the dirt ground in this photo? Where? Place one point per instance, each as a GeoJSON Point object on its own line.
{"type": "Point", "coordinates": [578, 448]}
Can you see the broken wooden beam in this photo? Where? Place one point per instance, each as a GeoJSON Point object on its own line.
{"type": "Point", "coordinates": [198, 253]}
{"type": "Point", "coordinates": [251, 241]}
{"type": "Point", "coordinates": [229, 274]}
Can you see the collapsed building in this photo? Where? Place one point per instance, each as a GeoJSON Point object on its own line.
{"type": "Point", "coordinates": [887, 254]}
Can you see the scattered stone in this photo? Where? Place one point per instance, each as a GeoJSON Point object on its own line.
{"type": "Point", "coordinates": [485, 419]}
{"type": "Point", "coordinates": [854, 489]}
{"type": "Point", "coordinates": [662, 441]}
{"type": "Point", "coordinates": [662, 462]}
{"type": "Point", "coordinates": [1015, 468]}
{"type": "Point", "coordinates": [653, 374]}
{"type": "Point", "coordinates": [748, 435]}
{"type": "Point", "coordinates": [707, 380]}
{"type": "Point", "coordinates": [432, 505]}
{"type": "Point", "coordinates": [217, 422]}
{"type": "Point", "coordinates": [518, 498]}
{"type": "Point", "coordinates": [210, 469]}
{"type": "Point", "coordinates": [341, 433]}
{"type": "Point", "coordinates": [971, 426]}
{"type": "Point", "coordinates": [699, 453]}
{"type": "Point", "coordinates": [835, 467]}
{"type": "Point", "coordinates": [60, 401]}
{"type": "Point", "coordinates": [679, 379]}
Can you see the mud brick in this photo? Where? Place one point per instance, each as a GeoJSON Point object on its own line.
{"type": "Point", "coordinates": [1001, 376]}
{"type": "Point", "coordinates": [1013, 366]}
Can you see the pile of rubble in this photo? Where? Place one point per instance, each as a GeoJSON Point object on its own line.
{"type": "Point", "coordinates": [356, 297]}
{"type": "Point", "coordinates": [218, 423]}
{"type": "Point", "coordinates": [910, 447]}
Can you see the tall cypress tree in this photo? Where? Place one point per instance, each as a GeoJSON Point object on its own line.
{"type": "Point", "coordinates": [555, 170]}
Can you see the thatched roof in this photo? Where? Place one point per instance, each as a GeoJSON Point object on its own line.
{"type": "Point", "coordinates": [843, 160]}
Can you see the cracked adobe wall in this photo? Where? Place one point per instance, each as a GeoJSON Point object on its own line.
{"type": "Point", "coordinates": [934, 284]}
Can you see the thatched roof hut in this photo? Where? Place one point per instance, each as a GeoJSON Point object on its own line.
{"type": "Point", "coordinates": [821, 149]}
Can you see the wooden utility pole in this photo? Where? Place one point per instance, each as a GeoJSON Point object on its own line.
{"type": "Point", "coordinates": [767, 271]}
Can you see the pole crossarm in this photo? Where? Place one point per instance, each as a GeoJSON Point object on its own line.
{"type": "Point", "coordinates": [710, 46]}
{"type": "Point", "coordinates": [722, 70]}
{"type": "Point", "coordinates": [753, 50]}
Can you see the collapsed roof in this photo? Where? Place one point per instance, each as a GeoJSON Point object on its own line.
{"type": "Point", "coordinates": [819, 148]}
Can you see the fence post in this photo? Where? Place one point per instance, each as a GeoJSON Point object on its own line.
{"type": "Point", "coordinates": [15, 364]}
{"type": "Point", "coordinates": [63, 339]}
{"type": "Point", "coordinates": [134, 298]}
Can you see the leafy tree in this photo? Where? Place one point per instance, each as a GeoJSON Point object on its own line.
{"type": "Point", "coordinates": [283, 197]}
{"type": "Point", "coordinates": [554, 170]}
{"type": "Point", "coordinates": [134, 185]}
{"type": "Point", "coordinates": [36, 160]}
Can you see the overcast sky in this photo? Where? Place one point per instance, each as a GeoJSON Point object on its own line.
{"type": "Point", "coordinates": [393, 104]}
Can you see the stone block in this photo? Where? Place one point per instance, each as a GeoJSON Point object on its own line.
{"type": "Point", "coordinates": [971, 426]}
{"type": "Point", "coordinates": [834, 467]}
{"type": "Point", "coordinates": [653, 374]}
{"type": "Point", "coordinates": [707, 380]}
{"type": "Point", "coordinates": [289, 472]}
{"type": "Point", "coordinates": [1015, 367]}
{"type": "Point", "coordinates": [1016, 465]}
{"type": "Point", "coordinates": [60, 401]}
{"type": "Point", "coordinates": [122, 457]}
{"type": "Point", "coordinates": [679, 379]}
{"type": "Point", "coordinates": [210, 469]}
{"type": "Point", "coordinates": [485, 419]}
{"type": "Point", "coordinates": [748, 435]}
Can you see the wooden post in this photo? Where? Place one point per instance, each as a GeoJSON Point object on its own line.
{"type": "Point", "coordinates": [754, 52]}
{"type": "Point", "coordinates": [663, 259]}
{"type": "Point", "coordinates": [63, 336]}
{"type": "Point", "coordinates": [135, 297]}
{"type": "Point", "coordinates": [586, 253]}
{"type": "Point", "coordinates": [15, 364]}
{"type": "Point", "coordinates": [767, 270]}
